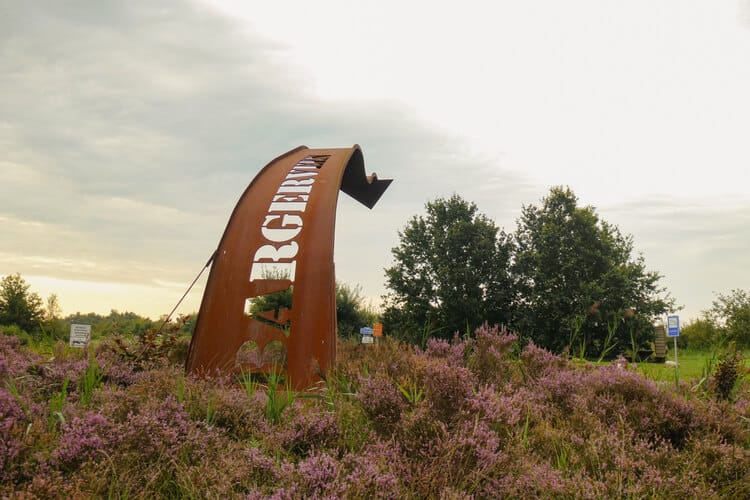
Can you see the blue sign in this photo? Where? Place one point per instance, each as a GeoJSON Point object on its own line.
{"type": "Point", "coordinates": [673, 326]}
{"type": "Point", "coordinates": [366, 330]}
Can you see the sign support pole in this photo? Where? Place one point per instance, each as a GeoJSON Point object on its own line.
{"type": "Point", "coordinates": [673, 330]}
{"type": "Point", "coordinates": [676, 367]}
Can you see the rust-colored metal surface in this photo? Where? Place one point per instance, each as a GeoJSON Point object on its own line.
{"type": "Point", "coordinates": [280, 236]}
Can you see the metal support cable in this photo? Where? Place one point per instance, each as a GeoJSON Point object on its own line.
{"type": "Point", "coordinates": [169, 316]}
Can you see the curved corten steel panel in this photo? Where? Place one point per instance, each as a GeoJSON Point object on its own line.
{"type": "Point", "coordinates": [280, 236]}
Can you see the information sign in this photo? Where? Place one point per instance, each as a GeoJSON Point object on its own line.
{"type": "Point", "coordinates": [673, 326]}
{"type": "Point", "coordinates": [80, 335]}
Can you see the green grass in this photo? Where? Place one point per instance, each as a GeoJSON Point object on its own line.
{"type": "Point", "coordinates": [693, 365]}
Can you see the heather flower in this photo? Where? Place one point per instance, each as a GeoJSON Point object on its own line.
{"type": "Point", "coordinates": [499, 337]}
{"type": "Point", "coordinates": [382, 402]}
{"type": "Point", "coordinates": [451, 493]}
{"type": "Point", "coordinates": [318, 476]}
{"type": "Point", "coordinates": [453, 352]}
{"type": "Point", "coordinates": [158, 428]}
{"type": "Point", "coordinates": [310, 428]}
{"type": "Point", "coordinates": [742, 407]}
{"type": "Point", "coordinates": [48, 484]}
{"type": "Point", "coordinates": [261, 467]}
{"type": "Point", "coordinates": [211, 466]}
{"type": "Point", "coordinates": [490, 352]}
{"type": "Point", "coordinates": [229, 408]}
{"type": "Point", "coordinates": [91, 436]}
{"type": "Point", "coordinates": [13, 421]}
{"type": "Point", "coordinates": [58, 370]}
{"type": "Point", "coordinates": [374, 472]}
{"type": "Point", "coordinates": [528, 480]}
{"type": "Point", "coordinates": [14, 360]}
{"type": "Point", "coordinates": [447, 388]}
{"type": "Point", "coordinates": [467, 455]}
{"type": "Point", "coordinates": [116, 371]}
{"type": "Point", "coordinates": [562, 388]}
{"type": "Point", "coordinates": [499, 410]}
{"type": "Point", "coordinates": [624, 396]}
{"type": "Point", "coordinates": [725, 466]}
{"type": "Point", "coordinates": [538, 361]}
{"type": "Point", "coordinates": [419, 433]}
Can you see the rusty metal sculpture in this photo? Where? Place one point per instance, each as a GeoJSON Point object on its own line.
{"type": "Point", "coordinates": [280, 237]}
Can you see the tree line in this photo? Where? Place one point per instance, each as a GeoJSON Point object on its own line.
{"type": "Point", "coordinates": [727, 321]}
{"type": "Point", "coordinates": [25, 314]}
{"type": "Point", "coordinates": [565, 278]}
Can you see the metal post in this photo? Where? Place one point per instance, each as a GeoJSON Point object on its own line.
{"type": "Point", "coordinates": [676, 367]}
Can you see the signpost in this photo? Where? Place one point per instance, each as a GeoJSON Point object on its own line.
{"type": "Point", "coordinates": [80, 335]}
{"type": "Point", "coordinates": [673, 330]}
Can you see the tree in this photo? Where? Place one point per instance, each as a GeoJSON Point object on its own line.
{"type": "Point", "coordinates": [730, 314]}
{"type": "Point", "coordinates": [54, 326]}
{"type": "Point", "coordinates": [53, 311]}
{"type": "Point", "coordinates": [19, 306]}
{"type": "Point", "coordinates": [577, 280]}
{"type": "Point", "coordinates": [450, 272]}
{"type": "Point", "coordinates": [351, 312]}
{"type": "Point", "coordinates": [698, 334]}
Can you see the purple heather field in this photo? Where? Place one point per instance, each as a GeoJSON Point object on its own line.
{"type": "Point", "coordinates": [474, 418]}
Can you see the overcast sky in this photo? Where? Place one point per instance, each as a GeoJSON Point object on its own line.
{"type": "Point", "coordinates": [128, 130]}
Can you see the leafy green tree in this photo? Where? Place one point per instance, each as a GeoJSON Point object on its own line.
{"type": "Point", "coordinates": [450, 273]}
{"type": "Point", "coordinates": [54, 326]}
{"type": "Point", "coordinates": [578, 282]}
{"type": "Point", "coordinates": [351, 311]}
{"type": "Point", "coordinates": [18, 305]}
{"type": "Point", "coordinates": [701, 333]}
{"type": "Point", "coordinates": [731, 315]}
{"type": "Point", "coordinates": [52, 311]}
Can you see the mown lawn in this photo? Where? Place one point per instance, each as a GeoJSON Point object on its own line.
{"type": "Point", "coordinates": [693, 367]}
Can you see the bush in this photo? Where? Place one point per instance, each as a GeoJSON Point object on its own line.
{"type": "Point", "coordinates": [700, 334]}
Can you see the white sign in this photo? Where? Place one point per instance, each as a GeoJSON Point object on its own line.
{"type": "Point", "coordinates": [80, 335]}
{"type": "Point", "coordinates": [673, 326]}
{"type": "Point", "coordinates": [367, 339]}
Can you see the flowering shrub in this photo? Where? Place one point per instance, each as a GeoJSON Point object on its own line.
{"type": "Point", "coordinates": [454, 352]}
{"type": "Point", "coordinates": [490, 353]}
{"type": "Point", "coordinates": [382, 402]}
{"type": "Point", "coordinates": [471, 418]}
{"type": "Point", "coordinates": [447, 388]}
{"type": "Point", "coordinates": [84, 438]}
{"type": "Point", "coordinates": [14, 361]}
{"type": "Point", "coordinates": [13, 420]}
{"type": "Point", "coordinates": [306, 431]}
